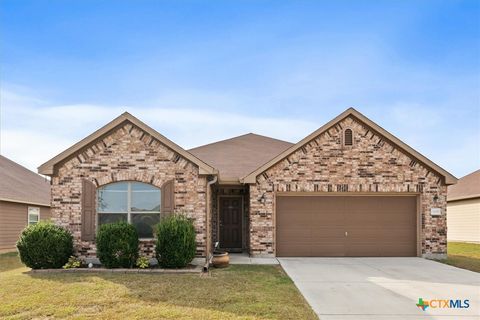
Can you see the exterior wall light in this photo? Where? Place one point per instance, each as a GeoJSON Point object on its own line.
{"type": "Point", "coordinates": [262, 198]}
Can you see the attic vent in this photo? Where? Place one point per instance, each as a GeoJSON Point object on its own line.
{"type": "Point", "coordinates": [348, 137]}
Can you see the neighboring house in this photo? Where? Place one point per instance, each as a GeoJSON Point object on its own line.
{"type": "Point", "coordinates": [348, 189]}
{"type": "Point", "coordinates": [463, 209]}
{"type": "Point", "coordinates": [24, 200]}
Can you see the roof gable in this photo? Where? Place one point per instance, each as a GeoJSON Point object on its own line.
{"type": "Point", "coordinates": [48, 167]}
{"type": "Point", "coordinates": [449, 178]}
{"type": "Point", "coordinates": [18, 184]}
{"type": "Point", "coordinates": [238, 156]}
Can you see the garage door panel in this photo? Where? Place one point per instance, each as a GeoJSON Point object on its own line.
{"type": "Point", "coordinates": [327, 249]}
{"type": "Point", "coordinates": [320, 234]}
{"type": "Point", "coordinates": [380, 233]}
{"type": "Point", "coordinates": [365, 249]}
{"type": "Point", "coordinates": [299, 249]}
{"type": "Point", "coordinates": [316, 219]}
{"type": "Point", "coordinates": [297, 218]}
{"type": "Point", "coordinates": [325, 233]}
{"type": "Point", "coordinates": [318, 226]}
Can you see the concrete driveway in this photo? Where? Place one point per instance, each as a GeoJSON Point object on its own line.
{"type": "Point", "coordinates": [382, 288]}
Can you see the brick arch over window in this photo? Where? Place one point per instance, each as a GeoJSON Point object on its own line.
{"type": "Point", "coordinates": [144, 177]}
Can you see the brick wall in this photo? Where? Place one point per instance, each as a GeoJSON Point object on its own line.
{"type": "Point", "coordinates": [372, 164]}
{"type": "Point", "coordinates": [127, 153]}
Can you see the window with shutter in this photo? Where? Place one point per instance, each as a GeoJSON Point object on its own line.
{"type": "Point", "coordinates": [138, 203]}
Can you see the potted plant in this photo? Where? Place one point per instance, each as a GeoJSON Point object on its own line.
{"type": "Point", "coordinates": [220, 259]}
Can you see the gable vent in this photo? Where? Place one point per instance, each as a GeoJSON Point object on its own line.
{"type": "Point", "coordinates": [348, 137]}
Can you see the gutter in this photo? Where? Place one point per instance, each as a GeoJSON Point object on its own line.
{"type": "Point", "coordinates": [208, 255]}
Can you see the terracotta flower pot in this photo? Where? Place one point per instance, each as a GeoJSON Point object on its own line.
{"type": "Point", "coordinates": [220, 259]}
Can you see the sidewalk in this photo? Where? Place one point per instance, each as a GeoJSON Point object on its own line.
{"type": "Point", "coordinates": [244, 258]}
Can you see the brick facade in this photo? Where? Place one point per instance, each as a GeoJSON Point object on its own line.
{"type": "Point", "coordinates": [372, 164]}
{"type": "Point", "coordinates": [127, 153]}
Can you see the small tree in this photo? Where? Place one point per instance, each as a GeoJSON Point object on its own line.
{"type": "Point", "coordinates": [44, 246]}
{"type": "Point", "coordinates": [117, 245]}
{"type": "Point", "coordinates": [175, 246]}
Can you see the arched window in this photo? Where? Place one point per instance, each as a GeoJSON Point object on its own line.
{"type": "Point", "coordinates": [135, 202]}
{"type": "Point", "coordinates": [348, 137]}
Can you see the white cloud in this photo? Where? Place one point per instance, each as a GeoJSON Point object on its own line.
{"type": "Point", "coordinates": [34, 131]}
{"type": "Point", "coordinates": [31, 148]}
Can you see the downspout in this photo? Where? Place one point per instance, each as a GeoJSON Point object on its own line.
{"type": "Point", "coordinates": [208, 255]}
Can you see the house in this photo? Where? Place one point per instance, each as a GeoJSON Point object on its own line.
{"type": "Point", "coordinates": [348, 189]}
{"type": "Point", "coordinates": [463, 209]}
{"type": "Point", "coordinates": [24, 200]}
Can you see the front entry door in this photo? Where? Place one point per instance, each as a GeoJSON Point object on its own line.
{"type": "Point", "coordinates": [231, 222]}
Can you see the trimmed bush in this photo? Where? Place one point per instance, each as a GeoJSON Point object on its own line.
{"type": "Point", "coordinates": [117, 245]}
{"type": "Point", "coordinates": [175, 246]}
{"type": "Point", "coordinates": [45, 246]}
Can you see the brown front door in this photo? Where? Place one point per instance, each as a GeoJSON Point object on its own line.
{"type": "Point", "coordinates": [352, 226]}
{"type": "Point", "coordinates": [231, 222]}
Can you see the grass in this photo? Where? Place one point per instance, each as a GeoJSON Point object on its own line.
{"type": "Point", "coordinates": [463, 255]}
{"type": "Point", "coordinates": [238, 292]}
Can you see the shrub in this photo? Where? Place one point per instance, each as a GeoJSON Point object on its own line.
{"type": "Point", "coordinates": [143, 262]}
{"type": "Point", "coordinates": [72, 263]}
{"type": "Point", "coordinates": [117, 245]}
{"type": "Point", "coordinates": [175, 246]}
{"type": "Point", "coordinates": [45, 246]}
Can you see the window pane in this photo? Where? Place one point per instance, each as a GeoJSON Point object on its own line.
{"type": "Point", "coordinates": [140, 186]}
{"type": "Point", "coordinates": [33, 215]}
{"type": "Point", "coordinates": [113, 197]}
{"type": "Point", "coordinates": [32, 218]}
{"type": "Point", "coordinates": [145, 197]}
{"type": "Point", "coordinates": [111, 217]}
{"type": "Point", "coordinates": [144, 223]}
{"type": "Point", "coordinates": [117, 186]}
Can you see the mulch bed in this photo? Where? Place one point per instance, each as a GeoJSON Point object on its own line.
{"type": "Point", "coordinates": [188, 269]}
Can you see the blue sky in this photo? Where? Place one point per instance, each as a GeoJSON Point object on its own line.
{"type": "Point", "coordinates": [200, 71]}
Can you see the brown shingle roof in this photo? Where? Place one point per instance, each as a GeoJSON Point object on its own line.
{"type": "Point", "coordinates": [466, 188]}
{"type": "Point", "coordinates": [18, 184]}
{"type": "Point", "coordinates": [238, 156]}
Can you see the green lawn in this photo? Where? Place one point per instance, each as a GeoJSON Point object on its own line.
{"type": "Point", "coordinates": [464, 255]}
{"type": "Point", "coordinates": [238, 292]}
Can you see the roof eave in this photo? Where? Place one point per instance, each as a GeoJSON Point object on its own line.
{"type": "Point", "coordinates": [45, 170]}
{"type": "Point", "coordinates": [34, 203]}
{"type": "Point", "coordinates": [469, 197]}
{"type": "Point", "coordinates": [229, 181]}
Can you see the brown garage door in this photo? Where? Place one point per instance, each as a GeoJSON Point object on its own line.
{"type": "Point", "coordinates": [352, 226]}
